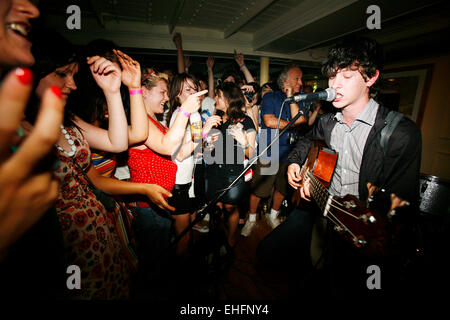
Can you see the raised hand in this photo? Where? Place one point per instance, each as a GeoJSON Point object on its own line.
{"type": "Point", "coordinates": [238, 133]}
{"type": "Point", "coordinates": [131, 70]}
{"type": "Point", "coordinates": [192, 103]}
{"type": "Point", "coordinates": [210, 62]}
{"type": "Point", "coordinates": [107, 74]}
{"type": "Point", "coordinates": [249, 88]}
{"type": "Point", "coordinates": [239, 58]}
{"type": "Point", "coordinates": [177, 40]}
{"type": "Point", "coordinates": [211, 122]}
{"type": "Point", "coordinates": [28, 189]}
{"type": "Point", "coordinates": [187, 63]}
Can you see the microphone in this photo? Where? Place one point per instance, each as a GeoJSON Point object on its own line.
{"type": "Point", "coordinates": [328, 94]}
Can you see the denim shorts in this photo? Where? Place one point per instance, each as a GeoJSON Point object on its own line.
{"type": "Point", "coordinates": [219, 177]}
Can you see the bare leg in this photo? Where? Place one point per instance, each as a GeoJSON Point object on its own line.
{"type": "Point", "coordinates": [233, 221]}
{"type": "Point", "coordinates": [181, 223]}
{"type": "Point", "coordinates": [277, 200]}
{"type": "Point", "coordinates": [254, 202]}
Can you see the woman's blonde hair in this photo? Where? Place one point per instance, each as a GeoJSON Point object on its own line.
{"type": "Point", "coordinates": [150, 77]}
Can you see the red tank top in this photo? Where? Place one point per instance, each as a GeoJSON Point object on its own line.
{"type": "Point", "coordinates": [147, 166]}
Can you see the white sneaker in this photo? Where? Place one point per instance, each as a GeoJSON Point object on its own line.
{"type": "Point", "coordinates": [201, 227]}
{"type": "Point", "coordinates": [248, 228]}
{"type": "Point", "coordinates": [273, 222]}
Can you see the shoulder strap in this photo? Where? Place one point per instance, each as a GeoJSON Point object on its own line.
{"type": "Point", "coordinates": [161, 128]}
{"type": "Point", "coordinates": [392, 120]}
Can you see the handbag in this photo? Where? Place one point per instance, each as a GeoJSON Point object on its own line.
{"type": "Point", "coordinates": [122, 218]}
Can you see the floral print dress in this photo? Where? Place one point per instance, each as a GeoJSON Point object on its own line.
{"type": "Point", "coordinates": [90, 237]}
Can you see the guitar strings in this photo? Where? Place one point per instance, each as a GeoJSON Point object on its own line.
{"type": "Point", "coordinates": [319, 187]}
{"type": "Point", "coordinates": [340, 224]}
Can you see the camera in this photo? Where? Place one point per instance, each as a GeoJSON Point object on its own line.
{"type": "Point", "coordinates": [249, 95]}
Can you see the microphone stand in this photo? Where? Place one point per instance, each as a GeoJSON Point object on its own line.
{"type": "Point", "coordinates": [208, 206]}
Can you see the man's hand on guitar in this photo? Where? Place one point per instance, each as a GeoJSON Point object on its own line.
{"type": "Point", "coordinates": [304, 190]}
{"type": "Point", "coordinates": [396, 202]}
{"type": "Point", "coordinates": [293, 173]}
{"type": "Point", "coordinates": [294, 179]}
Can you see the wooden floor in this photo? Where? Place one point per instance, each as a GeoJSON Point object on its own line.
{"type": "Point", "coordinates": [241, 278]}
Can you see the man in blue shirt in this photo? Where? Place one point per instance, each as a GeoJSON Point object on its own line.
{"type": "Point", "coordinates": [270, 171]}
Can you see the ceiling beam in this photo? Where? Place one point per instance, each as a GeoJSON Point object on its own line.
{"type": "Point", "coordinates": [246, 16]}
{"type": "Point", "coordinates": [98, 7]}
{"type": "Point", "coordinates": [176, 13]}
{"type": "Point", "coordinates": [303, 14]}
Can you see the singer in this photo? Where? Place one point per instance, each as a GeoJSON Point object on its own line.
{"type": "Point", "coordinates": [353, 69]}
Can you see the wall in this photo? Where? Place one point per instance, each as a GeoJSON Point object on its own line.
{"type": "Point", "coordinates": [435, 124]}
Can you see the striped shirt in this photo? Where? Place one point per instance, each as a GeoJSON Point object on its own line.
{"type": "Point", "coordinates": [349, 142]}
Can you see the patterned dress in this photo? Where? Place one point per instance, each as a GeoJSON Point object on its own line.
{"type": "Point", "coordinates": [90, 235]}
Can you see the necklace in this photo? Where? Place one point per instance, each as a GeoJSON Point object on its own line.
{"type": "Point", "coordinates": [70, 141]}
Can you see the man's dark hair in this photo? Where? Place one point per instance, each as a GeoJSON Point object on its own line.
{"type": "Point", "coordinates": [362, 54]}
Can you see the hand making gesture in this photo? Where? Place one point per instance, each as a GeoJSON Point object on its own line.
{"type": "Point", "coordinates": [107, 74]}
{"type": "Point", "coordinates": [131, 70]}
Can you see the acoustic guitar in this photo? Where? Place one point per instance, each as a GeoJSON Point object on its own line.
{"type": "Point", "coordinates": [360, 225]}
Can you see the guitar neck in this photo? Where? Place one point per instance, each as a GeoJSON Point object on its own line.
{"type": "Point", "coordinates": [317, 190]}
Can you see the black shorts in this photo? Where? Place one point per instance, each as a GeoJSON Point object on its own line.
{"type": "Point", "coordinates": [181, 201]}
{"type": "Point", "coordinates": [219, 177]}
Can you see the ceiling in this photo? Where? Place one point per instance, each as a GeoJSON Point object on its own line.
{"type": "Point", "coordinates": [284, 30]}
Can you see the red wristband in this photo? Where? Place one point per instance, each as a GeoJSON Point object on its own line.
{"type": "Point", "coordinates": [187, 114]}
{"type": "Point", "coordinates": [135, 91]}
{"type": "Point", "coordinates": [180, 50]}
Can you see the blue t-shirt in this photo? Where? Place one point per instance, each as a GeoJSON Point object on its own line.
{"type": "Point", "coordinates": [271, 104]}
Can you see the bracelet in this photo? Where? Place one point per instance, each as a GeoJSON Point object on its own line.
{"type": "Point", "coordinates": [246, 147]}
{"type": "Point", "coordinates": [241, 66]}
{"type": "Point", "coordinates": [204, 135]}
{"type": "Point", "coordinates": [180, 50]}
{"type": "Point", "coordinates": [135, 91]}
{"type": "Point", "coordinates": [187, 114]}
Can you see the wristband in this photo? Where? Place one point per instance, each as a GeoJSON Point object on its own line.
{"type": "Point", "coordinates": [247, 146]}
{"type": "Point", "coordinates": [135, 91]}
{"type": "Point", "coordinates": [204, 135]}
{"type": "Point", "coordinates": [241, 66]}
{"type": "Point", "coordinates": [180, 50]}
{"type": "Point", "coordinates": [187, 114]}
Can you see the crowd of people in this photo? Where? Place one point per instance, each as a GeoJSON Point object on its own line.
{"type": "Point", "coordinates": [71, 119]}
